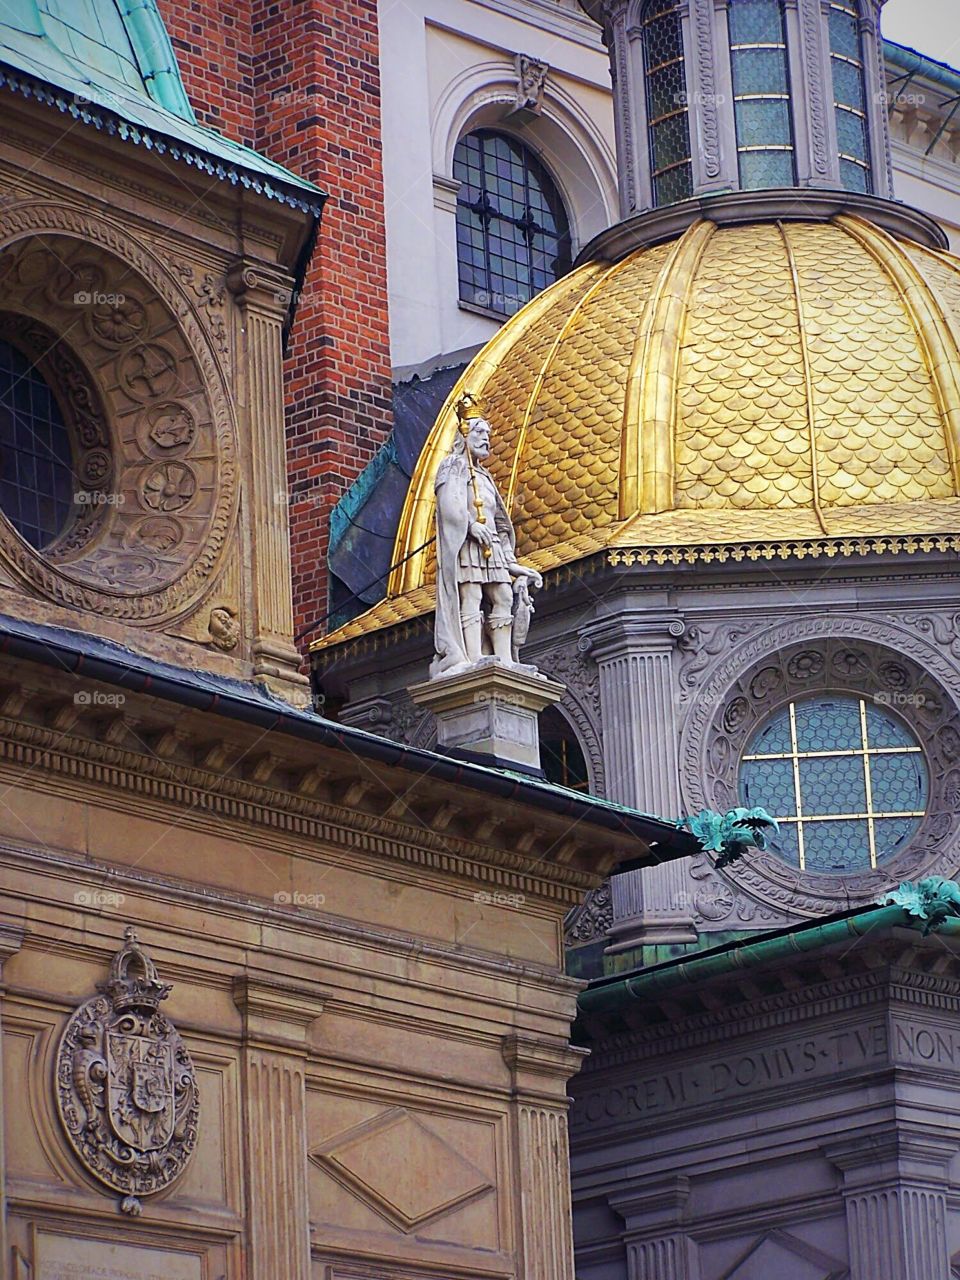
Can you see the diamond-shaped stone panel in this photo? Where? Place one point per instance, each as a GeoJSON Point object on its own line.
{"type": "Point", "coordinates": [401, 1169]}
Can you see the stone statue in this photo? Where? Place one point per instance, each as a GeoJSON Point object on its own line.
{"type": "Point", "coordinates": [483, 593]}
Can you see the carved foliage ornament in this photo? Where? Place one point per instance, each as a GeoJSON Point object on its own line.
{"type": "Point", "coordinates": [126, 1088]}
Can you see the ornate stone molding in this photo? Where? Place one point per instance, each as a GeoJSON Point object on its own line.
{"type": "Point", "coordinates": [175, 480]}
{"type": "Point", "coordinates": [709, 124]}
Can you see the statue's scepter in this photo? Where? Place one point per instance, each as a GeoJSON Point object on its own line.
{"type": "Point", "coordinates": [468, 410]}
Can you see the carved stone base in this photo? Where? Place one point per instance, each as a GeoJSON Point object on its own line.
{"type": "Point", "coordinates": [489, 713]}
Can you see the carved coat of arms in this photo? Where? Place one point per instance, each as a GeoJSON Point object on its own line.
{"type": "Point", "coordinates": [126, 1088]}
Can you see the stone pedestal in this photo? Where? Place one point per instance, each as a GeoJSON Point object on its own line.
{"type": "Point", "coordinates": [488, 713]}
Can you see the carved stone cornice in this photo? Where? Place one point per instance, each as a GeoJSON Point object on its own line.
{"type": "Point", "coordinates": [277, 1014]}
{"type": "Point", "coordinates": [659, 1202]}
{"type": "Point", "coordinates": [630, 632]}
{"type": "Point", "coordinates": [254, 284]}
{"type": "Point", "coordinates": [743, 1011]}
{"type": "Point", "coordinates": [211, 778]}
{"type": "Point", "coordinates": [539, 1065]}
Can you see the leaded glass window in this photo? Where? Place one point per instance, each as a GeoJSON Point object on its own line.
{"type": "Point", "coordinates": [761, 94]}
{"type": "Point", "coordinates": [849, 95]}
{"type": "Point", "coordinates": [36, 458]}
{"type": "Point", "coordinates": [845, 779]}
{"type": "Point", "coordinates": [513, 237]}
{"type": "Point", "coordinates": [668, 125]}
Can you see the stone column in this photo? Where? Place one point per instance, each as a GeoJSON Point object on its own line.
{"type": "Point", "coordinates": [11, 940]}
{"type": "Point", "coordinates": [634, 653]}
{"type": "Point", "coordinates": [655, 1241]}
{"type": "Point", "coordinates": [263, 298]}
{"type": "Point", "coordinates": [895, 1189]}
{"type": "Point", "coordinates": [541, 1154]}
{"type": "Point", "coordinates": [276, 1018]}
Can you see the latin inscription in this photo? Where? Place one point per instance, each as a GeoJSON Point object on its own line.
{"type": "Point", "coordinates": [716, 1078]}
{"type": "Point", "coordinates": [66, 1258]}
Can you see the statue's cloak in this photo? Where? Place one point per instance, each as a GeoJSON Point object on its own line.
{"type": "Point", "coordinates": [453, 501]}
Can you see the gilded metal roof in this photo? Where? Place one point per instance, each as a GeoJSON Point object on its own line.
{"type": "Point", "coordinates": [740, 386]}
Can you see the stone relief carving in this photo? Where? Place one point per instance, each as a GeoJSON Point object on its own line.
{"type": "Point", "coordinates": [126, 1088]}
{"type": "Point", "coordinates": [859, 655]}
{"type": "Point", "coordinates": [224, 628]}
{"type": "Point", "coordinates": [210, 293]}
{"type": "Point", "coordinates": [592, 919]}
{"type": "Point", "coordinates": [531, 81]}
{"type": "Point", "coordinates": [164, 401]}
{"type": "Point", "coordinates": [697, 648]}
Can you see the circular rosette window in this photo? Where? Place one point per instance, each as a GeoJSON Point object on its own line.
{"type": "Point", "coordinates": [845, 778]}
{"type": "Point", "coordinates": [118, 472]}
{"type": "Point", "coordinates": [853, 745]}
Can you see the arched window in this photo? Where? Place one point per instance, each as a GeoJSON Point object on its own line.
{"type": "Point", "coordinates": [668, 126]}
{"type": "Point", "coordinates": [761, 94]}
{"type": "Point", "coordinates": [846, 780]}
{"type": "Point", "coordinates": [37, 482]}
{"type": "Point", "coordinates": [849, 95]}
{"type": "Point", "coordinates": [560, 753]}
{"type": "Point", "coordinates": [513, 237]}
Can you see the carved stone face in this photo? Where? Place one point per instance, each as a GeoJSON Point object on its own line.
{"type": "Point", "coordinates": [478, 439]}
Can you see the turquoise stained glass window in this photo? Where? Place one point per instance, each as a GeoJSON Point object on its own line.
{"type": "Point", "coordinates": [845, 779]}
{"type": "Point", "coordinates": [761, 94]}
{"type": "Point", "coordinates": [668, 125]}
{"type": "Point", "coordinates": [849, 95]}
{"type": "Point", "coordinates": [513, 237]}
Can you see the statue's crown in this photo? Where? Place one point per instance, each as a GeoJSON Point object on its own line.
{"type": "Point", "coordinates": [468, 409]}
{"type": "Point", "coordinates": [134, 982]}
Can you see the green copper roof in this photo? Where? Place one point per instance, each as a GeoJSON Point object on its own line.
{"type": "Point", "coordinates": [109, 64]}
{"type": "Point", "coordinates": [611, 996]}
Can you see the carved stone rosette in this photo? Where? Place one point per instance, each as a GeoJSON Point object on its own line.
{"type": "Point", "coordinates": [125, 1085]}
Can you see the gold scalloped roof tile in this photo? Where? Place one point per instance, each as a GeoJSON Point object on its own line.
{"type": "Point", "coordinates": [783, 355]}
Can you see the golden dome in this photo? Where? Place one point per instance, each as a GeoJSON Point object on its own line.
{"type": "Point", "coordinates": [741, 385]}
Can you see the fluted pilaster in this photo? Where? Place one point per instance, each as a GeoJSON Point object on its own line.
{"type": "Point", "coordinates": [895, 1189]}
{"type": "Point", "coordinates": [276, 1019]}
{"type": "Point", "coordinates": [263, 298]}
{"type": "Point", "coordinates": [540, 1070]}
{"type": "Point", "coordinates": [655, 1240]}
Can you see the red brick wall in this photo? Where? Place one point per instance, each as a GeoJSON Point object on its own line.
{"type": "Point", "coordinates": [300, 81]}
